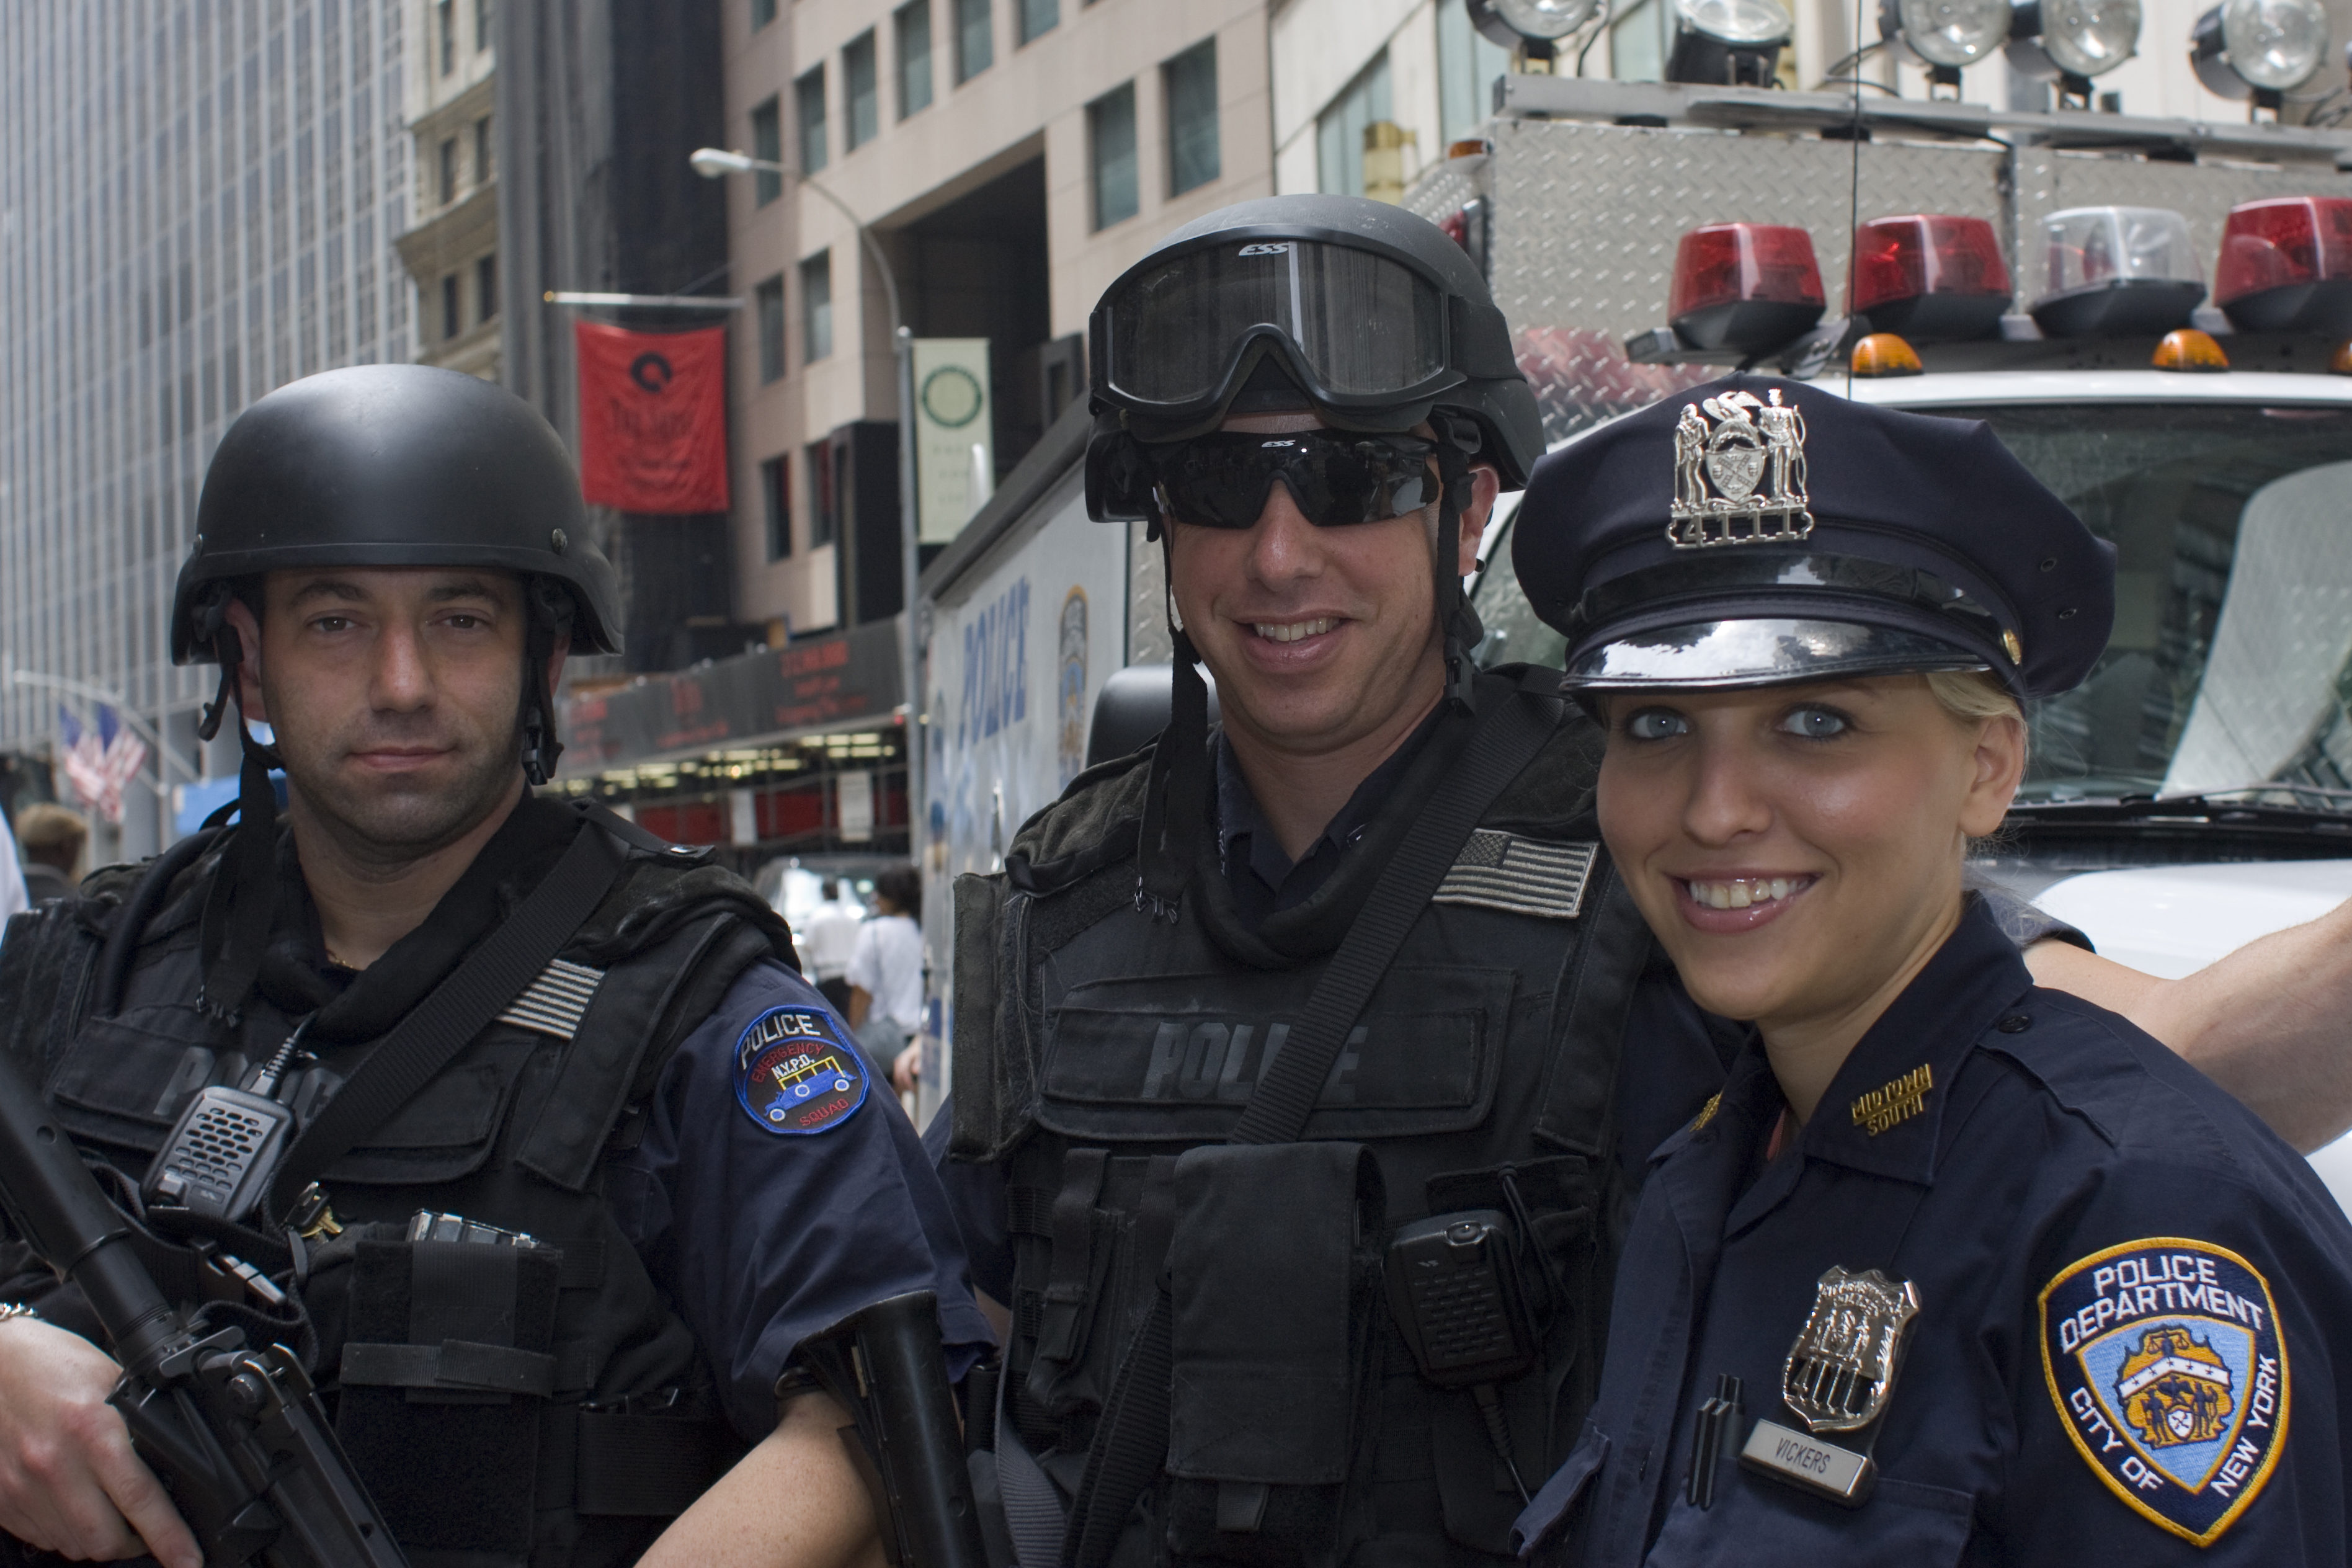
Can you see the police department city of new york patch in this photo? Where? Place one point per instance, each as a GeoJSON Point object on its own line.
{"type": "Point", "coordinates": [795, 1074]}
{"type": "Point", "coordinates": [2166, 1360]}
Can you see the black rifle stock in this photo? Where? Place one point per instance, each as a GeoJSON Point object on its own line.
{"type": "Point", "coordinates": [235, 1431]}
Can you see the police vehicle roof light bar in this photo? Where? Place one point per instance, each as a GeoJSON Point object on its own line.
{"type": "Point", "coordinates": [2115, 272]}
{"type": "Point", "coordinates": [1929, 276]}
{"type": "Point", "coordinates": [2286, 265]}
{"type": "Point", "coordinates": [1745, 286]}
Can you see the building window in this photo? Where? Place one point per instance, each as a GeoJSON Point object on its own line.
{"type": "Point", "coordinates": [447, 16]}
{"type": "Point", "coordinates": [861, 84]}
{"type": "Point", "coordinates": [485, 166]}
{"type": "Point", "coordinates": [763, 13]}
{"type": "Point", "coordinates": [808, 104]}
{"type": "Point", "coordinates": [775, 492]}
{"type": "Point", "coordinates": [975, 39]}
{"type": "Point", "coordinates": [1339, 130]}
{"type": "Point", "coordinates": [816, 307]}
{"type": "Point", "coordinates": [825, 510]}
{"type": "Point", "coordinates": [483, 12]}
{"type": "Point", "coordinates": [448, 170]}
{"type": "Point", "coordinates": [1110, 136]}
{"type": "Point", "coordinates": [768, 146]}
{"type": "Point", "coordinates": [1037, 17]}
{"type": "Point", "coordinates": [486, 286]}
{"type": "Point", "coordinates": [1188, 82]}
{"type": "Point", "coordinates": [771, 296]}
{"type": "Point", "coordinates": [1468, 62]}
{"type": "Point", "coordinates": [914, 26]}
{"type": "Point", "coordinates": [449, 307]}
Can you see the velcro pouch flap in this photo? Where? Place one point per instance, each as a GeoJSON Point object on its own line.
{"type": "Point", "coordinates": [1270, 1268]}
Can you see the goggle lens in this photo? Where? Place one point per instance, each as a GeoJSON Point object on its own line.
{"type": "Point", "coordinates": [1364, 325]}
{"type": "Point", "coordinates": [1338, 478]}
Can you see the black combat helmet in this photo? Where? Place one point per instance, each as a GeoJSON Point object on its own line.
{"type": "Point", "coordinates": [1377, 317]}
{"type": "Point", "coordinates": [391, 464]}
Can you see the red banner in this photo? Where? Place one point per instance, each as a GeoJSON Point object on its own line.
{"type": "Point", "coordinates": [652, 418]}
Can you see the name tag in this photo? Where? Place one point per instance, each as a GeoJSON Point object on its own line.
{"type": "Point", "coordinates": [1838, 1474]}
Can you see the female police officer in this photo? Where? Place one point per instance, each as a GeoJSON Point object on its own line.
{"type": "Point", "coordinates": [1953, 1269]}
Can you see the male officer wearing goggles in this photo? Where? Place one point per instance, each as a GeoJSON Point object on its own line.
{"type": "Point", "coordinates": [1294, 1120]}
{"type": "Point", "coordinates": [391, 568]}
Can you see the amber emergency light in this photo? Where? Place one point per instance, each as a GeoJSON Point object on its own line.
{"type": "Point", "coordinates": [2187, 349]}
{"type": "Point", "coordinates": [1885, 354]}
{"type": "Point", "coordinates": [2286, 265]}
{"type": "Point", "coordinates": [1745, 286]}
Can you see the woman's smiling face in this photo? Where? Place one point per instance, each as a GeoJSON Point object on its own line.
{"type": "Point", "coordinates": [1797, 849]}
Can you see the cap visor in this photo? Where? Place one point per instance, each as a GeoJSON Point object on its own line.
{"type": "Point", "coordinates": [1709, 654]}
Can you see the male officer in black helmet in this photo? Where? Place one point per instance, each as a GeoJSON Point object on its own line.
{"type": "Point", "coordinates": [1304, 1071]}
{"type": "Point", "coordinates": [493, 1016]}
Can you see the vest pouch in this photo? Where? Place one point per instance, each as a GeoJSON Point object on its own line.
{"type": "Point", "coordinates": [1274, 1275]}
{"type": "Point", "coordinates": [447, 1367]}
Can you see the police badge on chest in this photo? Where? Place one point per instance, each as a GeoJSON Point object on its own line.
{"type": "Point", "coordinates": [1835, 1381]}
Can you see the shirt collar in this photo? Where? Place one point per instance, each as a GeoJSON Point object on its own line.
{"type": "Point", "coordinates": [1238, 814]}
{"type": "Point", "coordinates": [1884, 1112]}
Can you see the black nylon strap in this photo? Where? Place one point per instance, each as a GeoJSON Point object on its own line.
{"type": "Point", "coordinates": [455, 1010]}
{"type": "Point", "coordinates": [1509, 736]}
{"type": "Point", "coordinates": [1130, 1446]}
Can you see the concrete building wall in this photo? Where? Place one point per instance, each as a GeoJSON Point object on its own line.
{"type": "Point", "coordinates": [452, 252]}
{"type": "Point", "coordinates": [197, 205]}
{"type": "Point", "coordinates": [1028, 106]}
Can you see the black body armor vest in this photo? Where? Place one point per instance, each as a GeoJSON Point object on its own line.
{"type": "Point", "coordinates": [578, 1415]}
{"type": "Point", "coordinates": [1101, 1052]}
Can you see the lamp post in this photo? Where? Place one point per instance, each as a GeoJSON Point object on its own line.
{"type": "Point", "coordinates": [712, 162]}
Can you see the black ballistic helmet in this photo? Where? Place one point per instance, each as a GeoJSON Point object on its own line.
{"type": "Point", "coordinates": [1368, 315]}
{"type": "Point", "coordinates": [391, 464]}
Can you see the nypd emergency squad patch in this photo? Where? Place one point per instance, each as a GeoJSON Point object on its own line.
{"type": "Point", "coordinates": [2166, 1360]}
{"type": "Point", "coordinates": [795, 1074]}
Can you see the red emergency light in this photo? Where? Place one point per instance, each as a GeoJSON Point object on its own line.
{"type": "Point", "coordinates": [2286, 265]}
{"type": "Point", "coordinates": [1929, 276]}
{"type": "Point", "coordinates": [1748, 287]}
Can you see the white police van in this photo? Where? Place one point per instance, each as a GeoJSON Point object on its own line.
{"type": "Point", "coordinates": [2196, 791]}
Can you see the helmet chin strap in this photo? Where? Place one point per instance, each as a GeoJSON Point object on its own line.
{"type": "Point", "coordinates": [551, 611]}
{"type": "Point", "coordinates": [242, 904]}
{"type": "Point", "coordinates": [1176, 789]}
{"type": "Point", "coordinates": [1458, 623]}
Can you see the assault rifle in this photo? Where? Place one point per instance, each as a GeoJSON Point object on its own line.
{"type": "Point", "coordinates": [234, 1430]}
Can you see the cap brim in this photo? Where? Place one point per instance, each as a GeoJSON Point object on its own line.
{"type": "Point", "coordinates": [1716, 654]}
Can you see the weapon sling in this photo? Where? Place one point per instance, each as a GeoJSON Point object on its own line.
{"type": "Point", "coordinates": [1130, 1446]}
{"type": "Point", "coordinates": [457, 1010]}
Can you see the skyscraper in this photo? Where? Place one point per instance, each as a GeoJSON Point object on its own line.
{"type": "Point", "coordinates": [197, 205]}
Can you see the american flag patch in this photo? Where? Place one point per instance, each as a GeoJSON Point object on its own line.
{"type": "Point", "coordinates": [555, 1002]}
{"type": "Point", "coordinates": [1499, 870]}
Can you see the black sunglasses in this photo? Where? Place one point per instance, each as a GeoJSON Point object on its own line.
{"type": "Point", "coordinates": [1337, 478]}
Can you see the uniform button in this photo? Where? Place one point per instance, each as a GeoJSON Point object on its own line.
{"type": "Point", "coordinates": [2015, 1024]}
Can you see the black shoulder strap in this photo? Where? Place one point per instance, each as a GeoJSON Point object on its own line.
{"type": "Point", "coordinates": [1509, 736]}
{"type": "Point", "coordinates": [1131, 1445]}
{"type": "Point", "coordinates": [457, 1010]}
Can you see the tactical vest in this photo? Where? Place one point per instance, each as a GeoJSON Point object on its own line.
{"type": "Point", "coordinates": [1096, 1044]}
{"type": "Point", "coordinates": [504, 1405]}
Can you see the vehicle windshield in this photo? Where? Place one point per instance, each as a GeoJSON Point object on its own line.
{"type": "Point", "coordinates": [2231, 663]}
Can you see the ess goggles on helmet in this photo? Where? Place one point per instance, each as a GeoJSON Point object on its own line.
{"type": "Point", "coordinates": [1359, 327]}
{"type": "Point", "coordinates": [1337, 478]}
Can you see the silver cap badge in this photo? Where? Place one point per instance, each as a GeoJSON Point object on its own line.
{"type": "Point", "coordinates": [1844, 1364]}
{"type": "Point", "coordinates": [1739, 480]}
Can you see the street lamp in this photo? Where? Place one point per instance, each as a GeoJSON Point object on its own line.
{"type": "Point", "coordinates": [711, 163]}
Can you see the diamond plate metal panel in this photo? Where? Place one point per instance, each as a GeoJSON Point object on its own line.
{"type": "Point", "coordinates": [2203, 193]}
{"type": "Point", "coordinates": [1440, 193]}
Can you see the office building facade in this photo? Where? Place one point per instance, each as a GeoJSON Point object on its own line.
{"type": "Point", "coordinates": [198, 203]}
{"type": "Point", "coordinates": [453, 251]}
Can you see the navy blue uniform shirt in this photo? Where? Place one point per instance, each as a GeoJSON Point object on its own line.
{"type": "Point", "coordinates": [2134, 1320]}
{"type": "Point", "coordinates": [778, 1188]}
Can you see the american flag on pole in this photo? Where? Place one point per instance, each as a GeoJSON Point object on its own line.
{"type": "Point", "coordinates": [100, 762]}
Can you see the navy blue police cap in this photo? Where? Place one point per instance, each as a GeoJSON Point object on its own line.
{"type": "Point", "coordinates": [1754, 531]}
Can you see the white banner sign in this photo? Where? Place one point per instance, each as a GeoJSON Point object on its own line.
{"type": "Point", "coordinates": [952, 419]}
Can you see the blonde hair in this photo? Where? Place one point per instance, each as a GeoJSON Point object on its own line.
{"type": "Point", "coordinates": [1969, 695]}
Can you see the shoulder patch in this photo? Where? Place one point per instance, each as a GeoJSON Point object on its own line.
{"type": "Point", "coordinates": [1519, 874]}
{"type": "Point", "coordinates": [2165, 1359]}
{"type": "Point", "coordinates": [795, 1075]}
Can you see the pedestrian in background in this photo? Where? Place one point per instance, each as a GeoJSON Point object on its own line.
{"type": "Point", "coordinates": [828, 942]}
{"type": "Point", "coordinates": [50, 839]}
{"type": "Point", "coordinates": [886, 973]}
